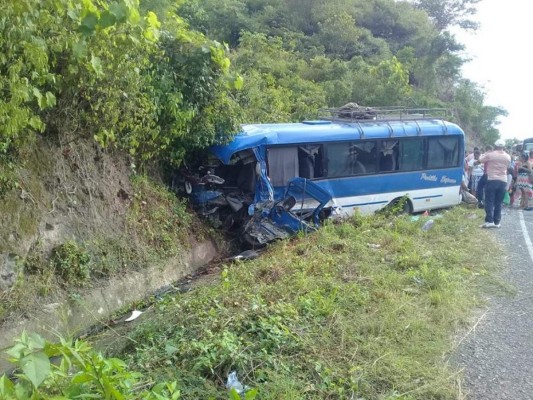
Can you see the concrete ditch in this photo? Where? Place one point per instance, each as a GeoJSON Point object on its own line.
{"type": "Point", "coordinates": [69, 316]}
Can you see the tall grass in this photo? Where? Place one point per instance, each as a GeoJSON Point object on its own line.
{"type": "Point", "coordinates": [366, 309]}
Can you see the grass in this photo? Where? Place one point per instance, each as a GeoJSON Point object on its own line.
{"type": "Point", "coordinates": [366, 309]}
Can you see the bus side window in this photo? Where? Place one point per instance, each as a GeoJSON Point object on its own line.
{"type": "Point", "coordinates": [283, 165]}
{"type": "Point", "coordinates": [351, 158]}
{"type": "Point", "coordinates": [310, 161]}
{"type": "Point", "coordinates": [411, 156]}
{"type": "Point", "coordinates": [388, 156]}
{"type": "Point", "coordinates": [443, 152]}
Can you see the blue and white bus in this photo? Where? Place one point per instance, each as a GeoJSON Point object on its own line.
{"type": "Point", "coordinates": [360, 162]}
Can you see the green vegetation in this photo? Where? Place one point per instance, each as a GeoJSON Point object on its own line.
{"type": "Point", "coordinates": [104, 70]}
{"type": "Point", "coordinates": [154, 80]}
{"type": "Point", "coordinates": [364, 309]}
{"type": "Point", "coordinates": [79, 373]}
{"type": "Point", "coordinates": [299, 55]}
{"type": "Point", "coordinates": [158, 219]}
{"type": "Point", "coordinates": [71, 262]}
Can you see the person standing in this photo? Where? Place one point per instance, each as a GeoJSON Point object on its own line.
{"type": "Point", "coordinates": [523, 181]}
{"type": "Point", "coordinates": [468, 160]}
{"type": "Point", "coordinates": [476, 172]}
{"type": "Point", "coordinates": [480, 192]}
{"type": "Point", "coordinates": [496, 164]}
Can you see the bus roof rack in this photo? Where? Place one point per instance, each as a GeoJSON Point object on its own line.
{"type": "Point", "coordinates": [354, 113]}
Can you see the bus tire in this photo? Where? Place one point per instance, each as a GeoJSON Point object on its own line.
{"type": "Point", "coordinates": [406, 207]}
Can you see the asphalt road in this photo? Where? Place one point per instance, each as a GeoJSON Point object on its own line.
{"type": "Point", "coordinates": [497, 355]}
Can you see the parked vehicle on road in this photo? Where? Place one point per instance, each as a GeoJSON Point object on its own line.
{"type": "Point", "coordinates": [527, 145]}
{"type": "Point", "coordinates": [349, 160]}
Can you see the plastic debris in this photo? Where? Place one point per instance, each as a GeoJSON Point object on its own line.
{"type": "Point", "coordinates": [247, 255]}
{"type": "Point", "coordinates": [427, 226]}
{"type": "Point", "coordinates": [233, 383]}
{"type": "Point", "coordinates": [415, 218]}
{"type": "Point", "coordinates": [373, 246]}
{"type": "Point", "coordinates": [134, 315]}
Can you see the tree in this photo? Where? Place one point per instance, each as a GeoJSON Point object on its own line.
{"type": "Point", "coordinates": [473, 115]}
{"type": "Point", "coordinates": [340, 36]}
{"type": "Point", "coordinates": [103, 70]}
{"type": "Point", "coordinates": [446, 13]}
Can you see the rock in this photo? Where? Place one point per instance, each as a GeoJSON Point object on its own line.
{"type": "Point", "coordinates": [8, 270]}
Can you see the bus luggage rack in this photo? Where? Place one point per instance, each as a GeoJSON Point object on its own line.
{"type": "Point", "coordinates": [353, 112]}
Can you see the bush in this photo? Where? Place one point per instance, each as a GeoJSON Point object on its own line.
{"type": "Point", "coordinates": [71, 262]}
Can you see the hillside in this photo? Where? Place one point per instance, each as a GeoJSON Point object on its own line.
{"type": "Point", "coordinates": [102, 100]}
{"type": "Point", "coordinates": [79, 219]}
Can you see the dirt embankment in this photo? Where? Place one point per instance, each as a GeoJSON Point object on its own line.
{"type": "Point", "coordinates": [65, 193]}
{"type": "Point", "coordinates": [79, 218]}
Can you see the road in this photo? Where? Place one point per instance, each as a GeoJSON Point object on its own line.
{"type": "Point", "coordinates": [497, 356]}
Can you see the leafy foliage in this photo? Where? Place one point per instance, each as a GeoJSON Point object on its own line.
{"type": "Point", "coordinates": [71, 262]}
{"type": "Point", "coordinates": [304, 55]}
{"type": "Point", "coordinates": [79, 372]}
{"type": "Point", "coordinates": [101, 69]}
{"type": "Point", "coordinates": [158, 219]}
{"type": "Point", "coordinates": [450, 12]}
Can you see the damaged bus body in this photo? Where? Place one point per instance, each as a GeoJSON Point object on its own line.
{"type": "Point", "coordinates": [277, 179]}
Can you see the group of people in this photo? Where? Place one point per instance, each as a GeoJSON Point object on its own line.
{"type": "Point", "coordinates": [495, 177]}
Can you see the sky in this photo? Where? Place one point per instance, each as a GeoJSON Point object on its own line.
{"type": "Point", "coordinates": [500, 52]}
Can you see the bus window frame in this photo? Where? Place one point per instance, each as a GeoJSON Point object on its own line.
{"type": "Point", "coordinates": [378, 141]}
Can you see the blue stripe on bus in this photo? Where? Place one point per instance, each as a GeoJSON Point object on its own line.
{"type": "Point", "coordinates": [427, 197]}
{"type": "Point", "coordinates": [397, 182]}
{"type": "Point", "coordinates": [366, 204]}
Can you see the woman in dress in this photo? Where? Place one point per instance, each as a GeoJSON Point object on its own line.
{"type": "Point", "coordinates": [523, 180]}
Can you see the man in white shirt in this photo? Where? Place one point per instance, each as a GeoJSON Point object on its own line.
{"type": "Point", "coordinates": [496, 164]}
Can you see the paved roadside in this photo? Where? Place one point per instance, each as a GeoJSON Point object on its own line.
{"type": "Point", "coordinates": [497, 356]}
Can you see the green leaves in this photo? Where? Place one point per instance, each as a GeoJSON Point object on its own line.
{"type": "Point", "coordinates": [119, 11]}
{"type": "Point", "coordinates": [48, 100]}
{"type": "Point", "coordinates": [114, 78]}
{"type": "Point", "coordinates": [82, 373]}
{"type": "Point", "coordinates": [88, 23]}
{"type": "Point", "coordinates": [7, 387]}
{"type": "Point", "coordinates": [107, 19]}
{"type": "Point", "coordinates": [152, 27]}
{"type": "Point", "coordinates": [36, 368]}
{"type": "Point", "coordinates": [29, 353]}
{"type": "Point", "coordinates": [96, 65]}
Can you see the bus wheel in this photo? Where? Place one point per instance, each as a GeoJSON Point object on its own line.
{"type": "Point", "coordinates": [401, 205]}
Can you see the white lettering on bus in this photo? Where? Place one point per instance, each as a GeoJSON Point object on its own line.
{"type": "Point", "coordinates": [445, 179]}
{"type": "Point", "coordinates": [426, 177]}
